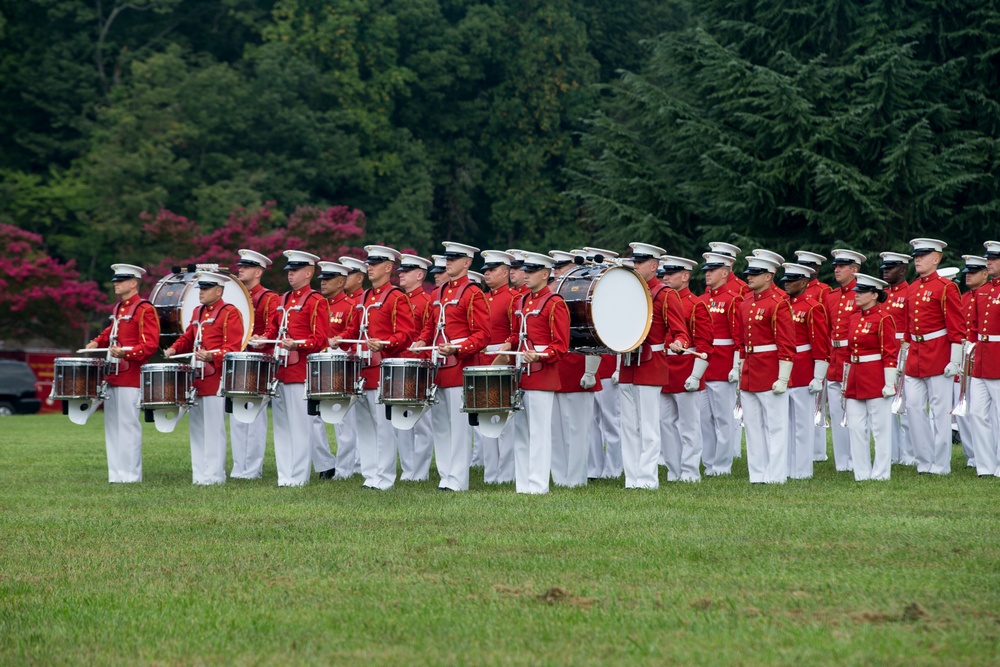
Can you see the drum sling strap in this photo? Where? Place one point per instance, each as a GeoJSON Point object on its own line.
{"type": "Point", "coordinates": [115, 365]}
{"type": "Point", "coordinates": [289, 357]}
{"type": "Point", "coordinates": [451, 360]}
{"type": "Point", "coordinates": [524, 343]}
{"type": "Point", "coordinates": [371, 358]}
{"type": "Point", "coordinates": [207, 369]}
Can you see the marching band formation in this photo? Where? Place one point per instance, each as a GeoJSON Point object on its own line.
{"type": "Point", "coordinates": [552, 368]}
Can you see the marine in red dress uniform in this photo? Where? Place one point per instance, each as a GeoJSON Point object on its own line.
{"type": "Point", "coordinates": [976, 276]}
{"type": "Point", "coordinates": [541, 321]}
{"type": "Point", "coordinates": [812, 359]}
{"type": "Point", "coordinates": [934, 333]}
{"type": "Point", "coordinates": [816, 289]}
{"type": "Point", "coordinates": [767, 337]}
{"type": "Point", "coordinates": [216, 328]}
{"type": "Point", "coordinates": [249, 440]}
{"type": "Point", "coordinates": [721, 433]}
{"type": "Point", "coordinates": [984, 385]}
{"type": "Point", "coordinates": [840, 305]}
{"type": "Point", "coordinates": [734, 282]}
{"type": "Point", "coordinates": [300, 325]}
{"type": "Point", "coordinates": [871, 381]}
{"type": "Point", "coordinates": [459, 329]}
{"type": "Point", "coordinates": [893, 268]}
{"type": "Point", "coordinates": [645, 373]}
{"type": "Point", "coordinates": [415, 445]}
{"type": "Point", "coordinates": [133, 337]}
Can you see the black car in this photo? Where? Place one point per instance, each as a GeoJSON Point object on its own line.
{"type": "Point", "coordinates": [17, 389]}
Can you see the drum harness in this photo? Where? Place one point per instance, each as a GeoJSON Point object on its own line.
{"type": "Point", "coordinates": [114, 363]}
{"type": "Point", "coordinates": [370, 358]}
{"type": "Point", "coordinates": [439, 334]}
{"type": "Point", "coordinates": [280, 352]}
{"type": "Point", "coordinates": [523, 344]}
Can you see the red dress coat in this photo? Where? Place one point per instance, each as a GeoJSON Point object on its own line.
{"type": "Point", "coordinates": [420, 308]}
{"type": "Point", "coordinates": [895, 305]}
{"type": "Point", "coordinates": [724, 307]}
{"type": "Point", "coordinates": [138, 328]}
{"type": "Point", "coordinates": [872, 333]}
{"type": "Point", "coordinates": [840, 306]}
{"type": "Point", "coordinates": [985, 320]}
{"type": "Point", "coordinates": [609, 364]}
{"type": "Point", "coordinates": [818, 290]}
{"type": "Point", "coordinates": [341, 310]}
{"type": "Point", "coordinates": [699, 324]}
{"type": "Point", "coordinates": [264, 303]}
{"type": "Point", "coordinates": [546, 322]}
{"type": "Point", "coordinates": [649, 363]}
{"type": "Point", "coordinates": [812, 337]}
{"type": "Point", "coordinates": [466, 319]}
{"type": "Point", "coordinates": [933, 304]}
{"type": "Point", "coordinates": [308, 320]}
{"type": "Point", "coordinates": [222, 330]}
{"type": "Point", "coordinates": [392, 323]}
{"type": "Point", "coordinates": [571, 369]}
{"type": "Point", "coordinates": [767, 321]}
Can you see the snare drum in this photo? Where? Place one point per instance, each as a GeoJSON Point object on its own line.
{"type": "Point", "coordinates": [74, 377]}
{"type": "Point", "coordinates": [405, 382]}
{"type": "Point", "coordinates": [490, 389]}
{"type": "Point", "coordinates": [247, 374]}
{"type": "Point", "coordinates": [166, 385]}
{"type": "Point", "coordinates": [610, 308]}
{"type": "Point", "coordinates": [332, 375]}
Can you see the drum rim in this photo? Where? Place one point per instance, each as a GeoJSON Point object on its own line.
{"type": "Point", "coordinates": [404, 362]}
{"type": "Point", "coordinates": [78, 361]}
{"type": "Point", "coordinates": [187, 279]}
{"type": "Point", "coordinates": [488, 370]}
{"type": "Point", "coordinates": [247, 356]}
{"type": "Point", "coordinates": [576, 273]}
{"type": "Point", "coordinates": [325, 356]}
{"type": "Point", "coordinates": [184, 368]}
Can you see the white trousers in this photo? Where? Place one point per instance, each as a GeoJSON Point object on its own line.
{"type": "Point", "coordinates": [376, 442]}
{"type": "Point", "coordinates": [452, 439]}
{"type": "Point", "coordinates": [680, 434]}
{"type": "Point", "coordinates": [872, 416]}
{"type": "Point", "coordinates": [902, 447]}
{"type": "Point", "coordinates": [984, 420]}
{"type": "Point", "coordinates": [123, 434]}
{"type": "Point", "coordinates": [930, 432]}
{"type": "Point", "coordinates": [841, 436]}
{"type": "Point", "coordinates": [765, 416]}
{"type": "Point", "coordinates": [719, 428]}
{"type": "Point", "coordinates": [477, 448]}
{"type": "Point", "coordinates": [801, 432]}
{"type": "Point", "coordinates": [605, 459]}
{"type": "Point", "coordinates": [293, 429]}
{"type": "Point", "coordinates": [571, 437]}
{"type": "Point", "coordinates": [207, 419]}
{"type": "Point", "coordinates": [348, 461]}
{"type": "Point", "coordinates": [322, 459]}
{"type": "Point", "coordinates": [819, 442]}
{"type": "Point", "coordinates": [498, 456]}
{"type": "Point", "coordinates": [964, 431]}
{"type": "Point", "coordinates": [248, 442]}
{"type": "Point", "coordinates": [533, 442]}
{"type": "Point", "coordinates": [640, 427]}
{"type": "Point", "coordinates": [415, 446]}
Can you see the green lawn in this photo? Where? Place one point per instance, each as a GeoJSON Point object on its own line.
{"type": "Point", "coordinates": [814, 572]}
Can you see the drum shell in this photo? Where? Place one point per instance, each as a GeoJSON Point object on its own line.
{"type": "Point", "coordinates": [166, 385]}
{"type": "Point", "coordinates": [75, 377]}
{"type": "Point", "coordinates": [247, 374]}
{"type": "Point", "coordinates": [175, 298]}
{"type": "Point", "coordinates": [489, 388]}
{"type": "Point", "coordinates": [610, 308]}
{"type": "Point", "coordinates": [332, 375]}
{"type": "Point", "coordinates": [405, 381]}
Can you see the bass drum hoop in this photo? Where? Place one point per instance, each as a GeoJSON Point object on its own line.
{"type": "Point", "coordinates": [182, 305]}
{"type": "Point", "coordinates": [596, 273]}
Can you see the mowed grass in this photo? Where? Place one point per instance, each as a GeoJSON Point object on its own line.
{"type": "Point", "coordinates": [825, 571]}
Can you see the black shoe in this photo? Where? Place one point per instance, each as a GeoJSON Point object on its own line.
{"type": "Point", "coordinates": [328, 474]}
{"type": "Point", "coordinates": [445, 488]}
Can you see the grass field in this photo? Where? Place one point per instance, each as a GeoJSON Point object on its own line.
{"type": "Point", "coordinates": [825, 571]}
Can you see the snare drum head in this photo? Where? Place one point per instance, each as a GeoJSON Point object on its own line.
{"type": "Point", "coordinates": [488, 370]}
{"type": "Point", "coordinates": [166, 368]}
{"type": "Point", "coordinates": [78, 361]}
{"type": "Point", "coordinates": [180, 292]}
{"type": "Point", "coordinates": [622, 309]}
{"type": "Point", "coordinates": [405, 363]}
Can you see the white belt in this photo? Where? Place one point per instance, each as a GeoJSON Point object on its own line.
{"type": "Point", "coordinates": [541, 348]}
{"type": "Point", "coordinates": [899, 335]}
{"type": "Point", "coordinates": [803, 348]}
{"type": "Point", "coordinates": [457, 340]}
{"type": "Point", "coordinates": [657, 348]}
{"type": "Point", "coordinates": [931, 336]}
{"type": "Point", "coordinates": [723, 341]}
{"type": "Point", "coordinates": [494, 348]}
{"type": "Point", "coordinates": [840, 343]}
{"type": "Point", "coordinates": [754, 349]}
{"type": "Point", "coordinates": [983, 338]}
{"type": "Point", "coordinates": [865, 358]}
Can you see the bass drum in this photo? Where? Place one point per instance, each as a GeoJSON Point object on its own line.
{"type": "Point", "coordinates": [176, 296]}
{"type": "Point", "coordinates": [610, 308]}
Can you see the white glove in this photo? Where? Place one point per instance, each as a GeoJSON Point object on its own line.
{"type": "Point", "coordinates": [614, 378]}
{"type": "Point", "coordinates": [954, 366]}
{"type": "Point", "coordinates": [819, 375]}
{"type": "Point", "coordinates": [890, 382]}
{"type": "Point", "coordinates": [589, 378]}
{"type": "Point", "coordinates": [693, 383]}
{"type": "Point", "coordinates": [784, 372]}
{"type": "Point", "coordinates": [734, 375]}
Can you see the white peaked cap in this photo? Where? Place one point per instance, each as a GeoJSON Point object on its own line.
{"type": "Point", "coordinates": [299, 258]}
{"type": "Point", "coordinates": [871, 282]}
{"type": "Point", "coordinates": [382, 252]}
{"type": "Point", "coordinates": [891, 258]}
{"type": "Point", "coordinates": [332, 270]}
{"type": "Point", "coordinates": [454, 250]}
{"type": "Point", "coordinates": [534, 259]}
{"type": "Point", "coordinates": [671, 263]}
{"type": "Point", "coordinates": [210, 278]}
{"type": "Point", "coordinates": [804, 257]}
{"type": "Point", "coordinates": [796, 271]}
{"type": "Point", "coordinates": [476, 277]}
{"type": "Point", "coordinates": [992, 249]}
{"type": "Point", "coordinates": [714, 260]}
{"type": "Point", "coordinates": [841, 256]}
{"type": "Point", "coordinates": [496, 258]}
{"type": "Point", "coordinates": [354, 264]}
{"type": "Point", "coordinates": [127, 272]}
{"type": "Point", "coordinates": [924, 246]}
{"type": "Point", "coordinates": [440, 261]}
{"type": "Point", "coordinates": [645, 250]}
{"type": "Point", "coordinates": [974, 260]}
{"type": "Point", "coordinates": [408, 262]}
{"type": "Point", "coordinates": [724, 249]}
{"type": "Point", "coordinates": [253, 258]}
{"type": "Point", "coordinates": [767, 254]}
{"type": "Point", "coordinates": [754, 264]}
{"type": "Point", "coordinates": [561, 256]}
{"type": "Point", "coordinates": [593, 252]}
{"type": "Point", "coordinates": [948, 272]}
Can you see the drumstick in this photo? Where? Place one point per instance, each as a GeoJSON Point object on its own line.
{"type": "Point", "coordinates": [84, 350]}
{"type": "Point", "coordinates": [268, 341]}
{"type": "Point", "coordinates": [360, 341]}
{"type": "Point", "coordinates": [515, 354]}
{"type": "Point", "coordinates": [425, 348]}
{"type": "Point", "coordinates": [185, 355]}
{"type": "Point", "coordinates": [700, 355]}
